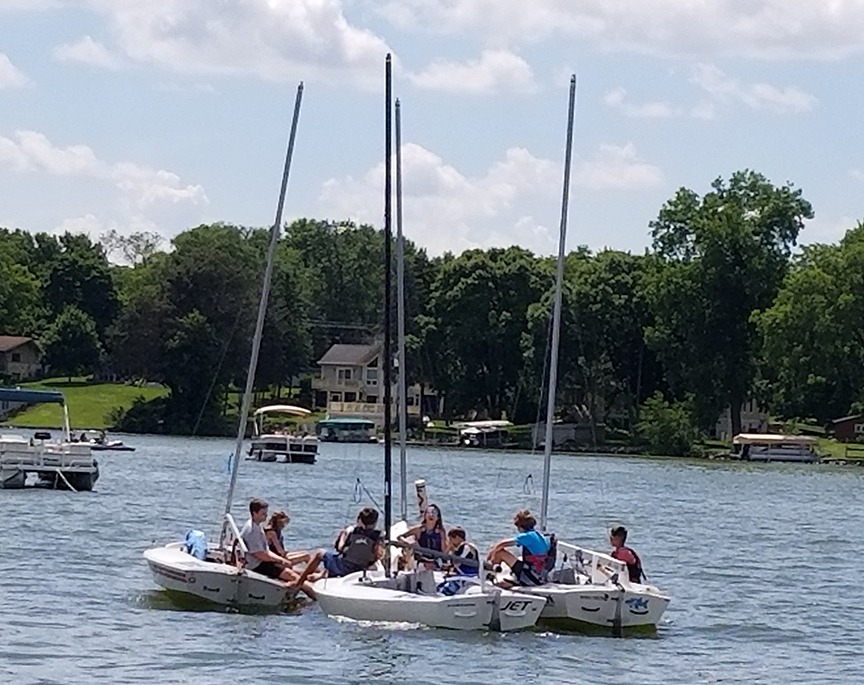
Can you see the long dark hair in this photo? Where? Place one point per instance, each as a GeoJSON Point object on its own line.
{"type": "Point", "coordinates": [439, 524]}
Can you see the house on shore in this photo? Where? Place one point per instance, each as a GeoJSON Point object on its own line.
{"type": "Point", "coordinates": [848, 428]}
{"type": "Point", "coordinates": [754, 419]}
{"type": "Point", "coordinates": [20, 357]}
{"type": "Point", "coordinates": [350, 385]}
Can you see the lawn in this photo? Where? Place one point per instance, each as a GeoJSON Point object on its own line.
{"type": "Point", "coordinates": [89, 403]}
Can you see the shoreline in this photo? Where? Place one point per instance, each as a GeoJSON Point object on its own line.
{"type": "Point", "coordinates": [619, 452]}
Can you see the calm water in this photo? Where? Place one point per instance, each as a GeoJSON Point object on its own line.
{"type": "Point", "coordinates": [761, 563]}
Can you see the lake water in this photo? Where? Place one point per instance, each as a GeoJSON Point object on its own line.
{"type": "Point", "coordinates": [761, 562]}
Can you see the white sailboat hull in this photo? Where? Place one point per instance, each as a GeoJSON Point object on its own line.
{"type": "Point", "coordinates": [597, 593]}
{"type": "Point", "coordinates": [375, 598]}
{"type": "Point", "coordinates": [637, 606]}
{"type": "Point", "coordinates": [177, 571]}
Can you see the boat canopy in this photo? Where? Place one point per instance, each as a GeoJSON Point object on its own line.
{"type": "Point", "coordinates": [31, 396]}
{"type": "Point", "coordinates": [773, 439]}
{"type": "Point", "coordinates": [344, 423]}
{"type": "Point", "coordinates": [282, 409]}
{"type": "Point", "coordinates": [485, 425]}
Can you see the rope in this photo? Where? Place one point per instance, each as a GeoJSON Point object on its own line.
{"type": "Point", "coordinates": [359, 491]}
{"type": "Point", "coordinates": [65, 480]}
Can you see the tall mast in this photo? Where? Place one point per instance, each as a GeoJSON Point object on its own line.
{"type": "Point", "coordinates": [262, 304]}
{"type": "Point", "coordinates": [388, 238]}
{"type": "Point", "coordinates": [556, 310]}
{"type": "Point", "coordinates": [400, 295]}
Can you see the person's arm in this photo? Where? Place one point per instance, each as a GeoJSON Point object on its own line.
{"type": "Point", "coordinates": [273, 539]}
{"type": "Point", "coordinates": [267, 555]}
{"type": "Point", "coordinates": [501, 544]}
{"type": "Point", "coordinates": [411, 532]}
{"type": "Point", "coordinates": [340, 540]}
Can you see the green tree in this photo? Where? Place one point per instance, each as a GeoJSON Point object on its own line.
{"type": "Point", "coordinates": [480, 304]}
{"type": "Point", "coordinates": [813, 334]}
{"type": "Point", "coordinates": [79, 275]}
{"type": "Point", "coordinates": [723, 258]}
{"type": "Point", "coordinates": [72, 344]}
{"type": "Point", "coordinates": [667, 428]}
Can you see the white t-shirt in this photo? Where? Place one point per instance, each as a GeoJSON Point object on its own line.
{"type": "Point", "coordinates": [256, 541]}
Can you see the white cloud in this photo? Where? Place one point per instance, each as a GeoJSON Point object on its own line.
{"type": "Point", "coordinates": [513, 202]}
{"type": "Point", "coordinates": [10, 75]}
{"type": "Point", "coordinates": [144, 198]}
{"type": "Point", "coordinates": [270, 39]}
{"type": "Point", "coordinates": [827, 230]}
{"type": "Point", "coordinates": [495, 71]}
{"type": "Point", "coordinates": [857, 174]}
{"type": "Point", "coordinates": [763, 28]}
{"type": "Point", "coordinates": [87, 51]}
{"type": "Point", "coordinates": [617, 168]}
{"type": "Point", "coordinates": [755, 95]}
{"type": "Point", "coordinates": [617, 99]}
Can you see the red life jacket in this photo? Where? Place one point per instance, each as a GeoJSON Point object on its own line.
{"type": "Point", "coordinates": [634, 564]}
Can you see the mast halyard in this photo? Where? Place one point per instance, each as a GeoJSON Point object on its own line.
{"type": "Point", "coordinates": [556, 310]}
{"type": "Point", "coordinates": [400, 303]}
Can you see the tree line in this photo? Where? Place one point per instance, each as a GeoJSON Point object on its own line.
{"type": "Point", "coordinates": [721, 309]}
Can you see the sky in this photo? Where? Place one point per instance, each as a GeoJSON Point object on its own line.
{"type": "Point", "coordinates": [159, 115]}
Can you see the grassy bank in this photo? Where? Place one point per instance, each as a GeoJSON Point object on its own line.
{"type": "Point", "coordinates": [89, 403]}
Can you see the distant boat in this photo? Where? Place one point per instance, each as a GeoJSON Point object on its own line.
{"type": "Point", "coordinates": [775, 447]}
{"type": "Point", "coordinates": [346, 430]}
{"type": "Point", "coordinates": [98, 441]}
{"type": "Point", "coordinates": [57, 464]}
{"type": "Point", "coordinates": [269, 446]}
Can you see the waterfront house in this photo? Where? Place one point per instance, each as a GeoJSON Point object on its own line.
{"type": "Point", "coordinates": [754, 419]}
{"type": "Point", "coordinates": [849, 428]}
{"type": "Point", "coordinates": [20, 357]}
{"type": "Point", "coordinates": [350, 385]}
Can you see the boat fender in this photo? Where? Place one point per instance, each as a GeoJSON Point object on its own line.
{"type": "Point", "coordinates": [196, 544]}
{"type": "Point", "coordinates": [422, 499]}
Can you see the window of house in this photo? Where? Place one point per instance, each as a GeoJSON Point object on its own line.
{"type": "Point", "coordinates": [16, 356]}
{"type": "Point", "coordinates": [858, 429]}
{"type": "Point", "coordinates": [335, 396]}
{"type": "Point", "coordinates": [343, 375]}
{"type": "Point", "coordinates": [372, 375]}
{"type": "Point", "coordinates": [350, 396]}
{"type": "Point", "coordinates": [372, 399]}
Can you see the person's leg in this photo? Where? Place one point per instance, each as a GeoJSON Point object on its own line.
{"type": "Point", "coordinates": [503, 556]}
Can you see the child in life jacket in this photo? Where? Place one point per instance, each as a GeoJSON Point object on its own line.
{"type": "Point", "coordinates": [458, 546]}
{"type": "Point", "coordinates": [618, 538]}
{"type": "Point", "coordinates": [358, 547]}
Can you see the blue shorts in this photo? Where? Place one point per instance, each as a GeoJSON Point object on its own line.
{"type": "Point", "coordinates": [333, 563]}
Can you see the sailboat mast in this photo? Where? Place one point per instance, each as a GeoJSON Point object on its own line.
{"type": "Point", "coordinates": [556, 311]}
{"type": "Point", "coordinates": [400, 303]}
{"type": "Point", "coordinates": [262, 304]}
{"type": "Point", "coordinates": [388, 238]}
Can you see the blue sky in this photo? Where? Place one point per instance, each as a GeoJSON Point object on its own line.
{"type": "Point", "coordinates": [162, 114]}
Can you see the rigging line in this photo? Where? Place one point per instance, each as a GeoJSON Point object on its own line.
{"type": "Point", "coordinates": [360, 490]}
{"type": "Point", "coordinates": [215, 376]}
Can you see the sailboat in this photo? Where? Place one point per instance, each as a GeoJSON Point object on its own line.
{"type": "Point", "coordinates": [213, 572]}
{"type": "Point", "coordinates": [412, 596]}
{"type": "Point", "coordinates": [589, 589]}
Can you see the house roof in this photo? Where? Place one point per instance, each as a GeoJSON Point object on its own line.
{"type": "Point", "coordinates": [349, 355]}
{"type": "Point", "coordinates": [10, 342]}
{"type": "Point", "coordinates": [851, 417]}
